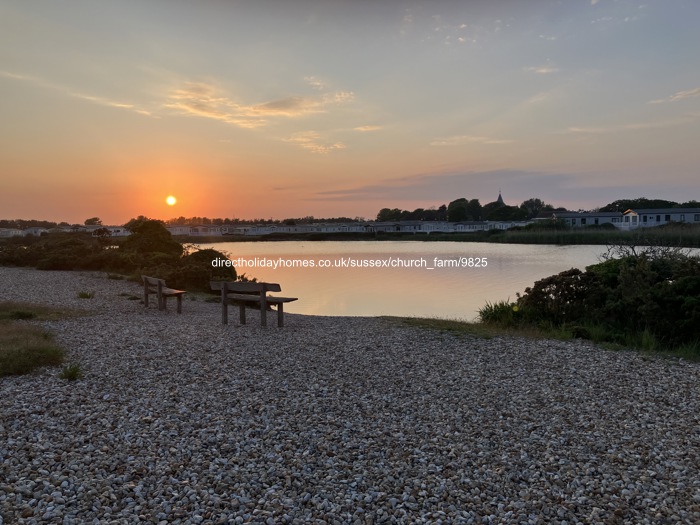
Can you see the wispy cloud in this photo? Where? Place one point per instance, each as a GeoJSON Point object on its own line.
{"type": "Point", "coordinates": [18, 76]}
{"type": "Point", "coordinates": [600, 130]}
{"type": "Point", "coordinates": [367, 128]}
{"type": "Point", "coordinates": [288, 107]}
{"type": "Point", "coordinates": [206, 100]}
{"type": "Point", "coordinates": [443, 187]}
{"type": "Point", "coordinates": [103, 101]}
{"type": "Point", "coordinates": [114, 104]}
{"type": "Point", "coordinates": [311, 140]}
{"type": "Point", "coordinates": [681, 95]}
{"type": "Point", "coordinates": [542, 70]}
{"type": "Point", "coordinates": [316, 83]}
{"type": "Point", "coordinates": [690, 93]}
{"type": "Point", "coordinates": [459, 140]}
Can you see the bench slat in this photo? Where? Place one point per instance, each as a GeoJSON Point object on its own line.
{"type": "Point", "coordinates": [242, 287]}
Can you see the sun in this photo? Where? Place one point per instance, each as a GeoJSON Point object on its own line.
{"type": "Point", "coordinates": [171, 200]}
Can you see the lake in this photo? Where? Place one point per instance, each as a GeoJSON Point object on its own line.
{"type": "Point", "coordinates": [405, 278]}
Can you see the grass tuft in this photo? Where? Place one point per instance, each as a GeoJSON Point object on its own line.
{"type": "Point", "coordinates": [11, 310]}
{"type": "Point", "coordinates": [72, 372]}
{"type": "Point", "coordinates": [444, 325]}
{"type": "Point", "coordinates": [86, 295]}
{"type": "Point", "coordinates": [25, 348]}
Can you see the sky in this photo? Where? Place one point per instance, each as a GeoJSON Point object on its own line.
{"type": "Point", "coordinates": [278, 109]}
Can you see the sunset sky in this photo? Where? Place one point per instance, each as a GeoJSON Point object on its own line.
{"type": "Point", "coordinates": [259, 109]}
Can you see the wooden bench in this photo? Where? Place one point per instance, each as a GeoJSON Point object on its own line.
{"type": "Point", "coordinates": [254, 294]}
{"type": "Point", "coordinates": [151, 285]}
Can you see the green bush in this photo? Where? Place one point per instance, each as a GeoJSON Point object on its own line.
{"type": "Point", "coordinates": [149, 237]}
{"type": "Point", "coordinates": [149, 250]}
{"type": "Point", "coordinates": [502, 313]}
{"type": "Point", "coordinates": [648, 297]}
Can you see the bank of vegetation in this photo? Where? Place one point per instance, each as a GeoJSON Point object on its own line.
{"type": "Point", "coordinates": [26, 347]}
{"type": "Point", "coordinates": [640, 297]}
{"type": "Point", "coordinates": [149, 250]}
{"type": "Point", "coordinates": [679, 235]}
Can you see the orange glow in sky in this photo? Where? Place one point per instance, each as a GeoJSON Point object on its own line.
{"type": "Point", "coordinates": [289, 109]}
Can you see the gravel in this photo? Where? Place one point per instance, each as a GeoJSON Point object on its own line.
{"type": "Point", "coordinates": [334, 420]}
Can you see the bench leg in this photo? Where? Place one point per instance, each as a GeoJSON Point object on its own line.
{"type": "Point", "coordinates": [241, 309]}
{"type": "Point", "coordinates": [280, 315]}
{"type": "Point", "coordinates": [224, 311]}
{"type": "Point", "coordinates": [161, 299]}
{"type": "Point", "coordinates": [179, 304]}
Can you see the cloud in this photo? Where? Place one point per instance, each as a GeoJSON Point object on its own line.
{"type": "Point", "coordinates": [309, 140]}
{"type": "Point", "coordinates": [681, 95]}
{"type": "Point", "coordinates": [316, 83]}
{"type": "Point", "coordinates": [459, 140]}
{"type": "Point", "coordinates": [18, 76]}
{"type": "Point", "coordinates": [542, 70]}
{"type": "Point", "coordinates": [679, 121]}
{"type": "Point", "coordinates": [445, 187]}
{"type": "Point", "coordinates": [559, 188]}
{"type": "Point", "coordinates": [37, 81]}
{"type": "Point", "coordinates": [288, 107]}
{"type": "Point", "coordinates": [685, 94]}
{"type": "Point", "coordinates": [206, 100]}
{"type": "Point", "coordinates": [367, 128]}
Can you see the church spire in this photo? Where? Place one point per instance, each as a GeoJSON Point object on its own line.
{"type": "Point", "coordinates": [500, 199]}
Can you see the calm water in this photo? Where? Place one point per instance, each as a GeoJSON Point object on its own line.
{"type": "Point", "coordinates": [448, 292]}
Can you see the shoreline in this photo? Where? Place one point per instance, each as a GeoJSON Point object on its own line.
{"type": "Point", "coordinates": [180, 419]}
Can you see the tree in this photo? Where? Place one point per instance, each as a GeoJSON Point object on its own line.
{"type": "Point", "coordinates": [493, 211]}
{"type": "Point", "coordinates": [639, 203]}
{"type": "Point", "coordinates": [532, 207]}
{"type": "Point", "coordinates": [102, 233]}
{"type": "Point", "coordinates": [93, 221]}
{"type": "Point", "coordinates": [385, 214]}
{"type": "Point", "coordinates": [133, 224]}
{"type": "Point", "coordinates": [457, 210]}
{"type": "Point", "coordinates": [150, 236]}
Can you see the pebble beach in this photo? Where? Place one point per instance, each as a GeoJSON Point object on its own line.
{"type": "Point", "coordinates": [336, 420]}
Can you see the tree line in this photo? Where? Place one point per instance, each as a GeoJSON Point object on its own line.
{"type": "Point", "coordinates": [464, 209]}
{"type": "Point", "coordinates": [458, 210]}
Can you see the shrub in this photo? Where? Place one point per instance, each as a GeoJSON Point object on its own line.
{"type": "Point", "coordinates": [648, 297]}
{"type": "Point", "coordinates": [502, 313]}
{"type": "Point", "coordinates": [149, 237]}
{"type": "Point", "coordinates": [558, 299]}
{"type": "Point", "coordinates": [72, 372]}
{"type": "Point", "coordinates": [21, 315]}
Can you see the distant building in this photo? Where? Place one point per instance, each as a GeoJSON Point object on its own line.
{"type": "Point", "coordinates": [645, 218]}
{"type": "Point", "coordinates": [35, 230]}
{"type": "Point", "coordinates": [10, 232]}
{"type": "Point", "coordinates": [576, 219]}
{"type": "Point", "coordinates": [629, 220]}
